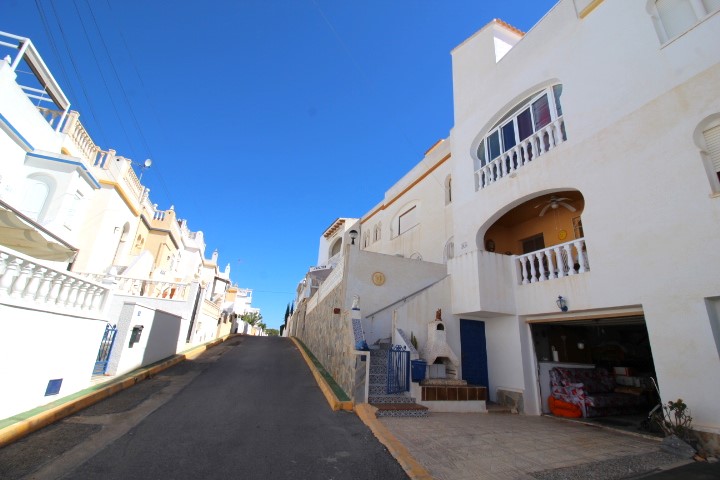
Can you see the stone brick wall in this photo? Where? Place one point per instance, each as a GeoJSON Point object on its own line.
{"type": "Point", "coordinates": [329, 336]}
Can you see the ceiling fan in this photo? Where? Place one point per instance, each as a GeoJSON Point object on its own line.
{"type": "Point", "coordinates": [554, 203]}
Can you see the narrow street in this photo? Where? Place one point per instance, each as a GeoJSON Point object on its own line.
{"type": "Point", "coordinates": [247, 409]}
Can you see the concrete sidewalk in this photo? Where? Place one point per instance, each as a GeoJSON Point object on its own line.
{"type": "Point", "coordinates": [457, 446]}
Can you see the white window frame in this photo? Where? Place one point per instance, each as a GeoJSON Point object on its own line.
{"type": "Point", "coordinates": [411, 219]}
{"type": "Point", "coordinates": [484, 151]}
{"type": "Point", "coordinates": [700, 11]}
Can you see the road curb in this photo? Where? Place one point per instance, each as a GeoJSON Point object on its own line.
{"type": "Point", "coordinates": [412, 467]}
{"type": "Point", "coordinates": [335, 403]}
{"type": "Point", "coordinates": [21, 428]}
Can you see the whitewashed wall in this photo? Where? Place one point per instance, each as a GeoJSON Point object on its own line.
{"type": "Point", "coordinates": [38, 347]}
{"type": "Point", "coordinates": [650, 214]}
{"type": "Point", "coordinates": [158, 339]}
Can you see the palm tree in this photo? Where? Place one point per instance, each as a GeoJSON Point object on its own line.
{"type": "Point", "coordinates": [251, 318]}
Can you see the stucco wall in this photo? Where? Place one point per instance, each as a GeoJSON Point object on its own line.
{"type": "Point", "coordinates": [158, 339]}
{"type": "Point", "coordinates": [36, 348]}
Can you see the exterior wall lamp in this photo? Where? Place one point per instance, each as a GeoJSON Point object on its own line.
{"type": "Point", "coordinates": [561, 303]}
{"type": "Point", "coordinates": [353, 235]}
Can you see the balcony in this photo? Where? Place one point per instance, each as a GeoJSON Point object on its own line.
{"type": "Point", "coordinates": [27, 281]}
{"type": "Point", "coordinates": [558, 261]}
{"type": "Point", "coordinates": [527, 150]}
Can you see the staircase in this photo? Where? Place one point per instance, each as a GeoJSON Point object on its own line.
{"type": "Point", "coordinates": [395, 405]}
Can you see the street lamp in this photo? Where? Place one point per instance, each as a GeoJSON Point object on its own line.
{"type": "Point", "coordinates": [353, 235]}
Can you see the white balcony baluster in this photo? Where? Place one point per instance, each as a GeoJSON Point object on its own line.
{"type": "Point", "coordinates": [33, 286]}
{"type": "Point", "coordinates": [537, 144]}
{"type": "Point", "coordinates": [22, 280]}
{"type": "Point", "coordinates": [553, 262]}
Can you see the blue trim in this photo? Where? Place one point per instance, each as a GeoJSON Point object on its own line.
{"type": "Point", "coordinates": [19, 138]}
{"type": "Point", "coordinates": [69, 162]}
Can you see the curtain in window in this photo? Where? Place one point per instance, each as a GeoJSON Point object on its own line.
{"type": "Point", "coordinates": [675, 15]}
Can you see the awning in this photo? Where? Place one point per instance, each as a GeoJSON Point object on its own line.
{"type": "Point", "coordinates": [23, 235]}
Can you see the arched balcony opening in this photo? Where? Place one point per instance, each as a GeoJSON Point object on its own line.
{"type": "Point", "coordinates": [544, 235]}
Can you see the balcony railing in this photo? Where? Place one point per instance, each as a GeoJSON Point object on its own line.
{"type": "Point", "coordinates": [25, 279]}
{"type": "Point", "coordinates": [143, 287]}
{"type": "Point", "coordinates": [558, 261]}
{"type": "Point", "coordinates": [536, 145]}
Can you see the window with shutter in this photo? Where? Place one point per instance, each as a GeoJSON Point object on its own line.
{"type": "Point", "coordinates": [712, 141]}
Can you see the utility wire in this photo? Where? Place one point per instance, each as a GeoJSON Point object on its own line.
{"type": "Point", "coordinates": [102, 75]}
{"type": "Point", "coordinates": [143, 89]}
{"type": "Point", "coordinates": [79, 77]}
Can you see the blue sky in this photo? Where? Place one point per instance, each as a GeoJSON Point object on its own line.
{"type": "Point", "coordinates": [265, 119]}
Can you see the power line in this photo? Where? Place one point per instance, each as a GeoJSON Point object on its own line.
{"type": "Point", "coordinates": [102, 75]}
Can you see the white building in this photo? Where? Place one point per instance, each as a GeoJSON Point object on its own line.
{"type": "Point", "coordinates": [583, 164]}
{"type": "Point", "coordinates": [82, 248]}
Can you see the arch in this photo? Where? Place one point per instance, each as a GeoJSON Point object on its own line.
{"type": "Point", "coordinates": [377, 232]}
{"type": "Point", "coordinates": [122, 244]}
{"type": "Point", "coordinates": [449, 250]}
{"type": "Point", "coordinates": [416, 256]}
{"type": "Point", "coordinates": [706, 137]}
{"type": "Point", "coordinates": [526, 209]}
{"type": "Point", "coordinates": [510, 108]}
{"type": "Point", "coordinates": [39, 191]}
{"type": "Point", "coordinates": [335, 247]}
{"type": "Point", "coordinates": [366, 240]}
{"type": "Point", "coordinates": [405, 219]}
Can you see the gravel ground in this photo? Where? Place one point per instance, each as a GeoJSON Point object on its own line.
{"type": "Point", "coordinates": [618, 468]}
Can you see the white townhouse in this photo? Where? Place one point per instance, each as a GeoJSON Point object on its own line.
{"type": "Point", "coordinates": [573, 209]}
{"type": "Point", "coordinates": [93, 276]}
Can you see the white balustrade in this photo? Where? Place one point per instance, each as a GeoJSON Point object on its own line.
{"type": "Point", "coordinates": [537, 144]}
{"type": "Point", "coordinates": [142, 287]}
{"type": "Point", "coordinates": [23, 281]}
{"type": "Point", "coordinates": [554, 262]}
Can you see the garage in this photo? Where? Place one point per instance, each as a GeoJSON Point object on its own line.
{"type": "Point", "coordinates": [602, 367]}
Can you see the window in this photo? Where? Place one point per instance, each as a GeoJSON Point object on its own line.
{"type": "Point", "coordinates": [712, 143]}
{"type": "Point", "coordinates": [577, 227]}
{"type": "Point", "coordinates": [521, 122]}
{"type": "Point", "coordinates": [533, 244]}
{"type": "Point", "coordinates": [377, 232]}
{"type": "Point", "coordinates": [707, 139]}
{"type": "Point", "coordinates": [366, 240]}
{"type": "Point", "coordinates": [677, 16]}
{"type": "Point", "coordinates": [336, 247]}
{"type": "Point", "coordinates": [530, 129]}
{"type": "Point", "coordinates": [37, 192]}
{"type": "Point", "coordinates": [448, 190]}
{"type": "Point", "coordinates": [407, 220]}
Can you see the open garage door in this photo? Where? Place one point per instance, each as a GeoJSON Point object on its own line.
{"type": "Point", "coordinates": [610, 357]}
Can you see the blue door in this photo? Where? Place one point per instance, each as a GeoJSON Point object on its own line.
{"type": "Point", "coordinates": [474, 353]}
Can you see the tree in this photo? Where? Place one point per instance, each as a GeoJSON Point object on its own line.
{"type": "Point", "coordinates": [272, 332]}
{"type": "Point", "coordinates": [251, 318]}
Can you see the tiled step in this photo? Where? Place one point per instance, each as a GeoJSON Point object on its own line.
{"type": "Point", "coordinates": [378, 369]}
{"type": "Point", "coordinates": [385, 398]}
{"type": "Point", "coordinates": [400, 410]}
{"type": "Point", "coordinates": [378, 378]}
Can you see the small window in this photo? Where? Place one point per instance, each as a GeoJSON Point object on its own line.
{"type": "Point", "coordinates": [577, 227]}
{"type": "Point", "coordinates": [448, 190]}
{"type": "Point", "coordinates": [677, 16]}
{"type": "Point", "coordinates": [712, 142]}
{"type": "Point", "coordinates": [407, 220]}
{"type": "Point", "coordinates": [533, 244]}
{"type": "Point", "coordinates": [377, 232]}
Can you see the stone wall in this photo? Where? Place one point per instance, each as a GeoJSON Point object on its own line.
{"type": "Point", "coordinates": [329, 336]}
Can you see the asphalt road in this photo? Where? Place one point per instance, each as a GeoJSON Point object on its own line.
{"type": "Point", "coordinates": [247, 409]}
